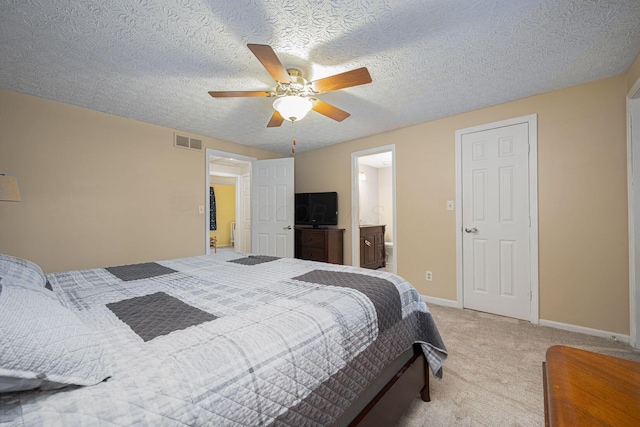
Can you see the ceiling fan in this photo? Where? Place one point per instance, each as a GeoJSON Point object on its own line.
{"type": "Point", "coordinates": [295, 95]}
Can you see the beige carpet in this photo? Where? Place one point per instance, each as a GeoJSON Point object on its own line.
{"type": "Point", "coordinates": [493, 375]}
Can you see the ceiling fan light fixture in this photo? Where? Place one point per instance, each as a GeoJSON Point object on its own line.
{"type": "Point", "coordinates": [292, 108]}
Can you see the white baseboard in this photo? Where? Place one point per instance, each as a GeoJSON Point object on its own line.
{"type": "Point", "coordinates": [549, 323]}
{"type": "Point", "coordinates": [440, 301]}
{"type": "Point", "coordinates": [585, 330]}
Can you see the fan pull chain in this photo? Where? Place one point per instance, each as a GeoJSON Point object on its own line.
{"type": "Point", "coordinates": [293, 147]}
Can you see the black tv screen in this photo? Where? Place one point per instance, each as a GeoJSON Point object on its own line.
{"type": "Point", "coordinates": [316, 208]}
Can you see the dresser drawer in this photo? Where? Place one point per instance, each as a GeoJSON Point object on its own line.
{"type": "Point", "coordinates": [311, 239]}
{"type": "Point", "coordinates": [324, 245]}
{"type": "Point", "coordinates": [312, 254]}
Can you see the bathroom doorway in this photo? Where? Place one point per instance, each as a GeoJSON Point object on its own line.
{"type": "Point", "coordinates": [229, 201]}
{"type": "Point", "coordinates": [374, 205]}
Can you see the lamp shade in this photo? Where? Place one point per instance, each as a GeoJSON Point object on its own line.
{"type": "Point", "coordinates": [9, 189]}
{"type": "Point", "coordinates": [292, 108]}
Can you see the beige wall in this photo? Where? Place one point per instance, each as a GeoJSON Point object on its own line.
{"type": "Point", "coordinates": [98, 189]}
{"type": "Point", "coordinates": [369, 196]}
{"type": "Point", "coordinates": [582, 199]}
{"type": "Point", "coordinates": [103, 190]}
{"type": "Point", "coordinates": [385, 196]}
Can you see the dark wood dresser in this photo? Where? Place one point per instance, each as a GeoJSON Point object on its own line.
{"type": "Point", "coordinates": [372, 252]}
{"type": "Point", "coordinates": [582, 388]}
{"type": "Point", "coordinates": [320, 244]}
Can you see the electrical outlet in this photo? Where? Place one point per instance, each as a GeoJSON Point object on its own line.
{"type": "Point", "coordinates": [429, 276]}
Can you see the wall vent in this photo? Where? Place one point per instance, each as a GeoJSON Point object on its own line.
{"type": "Point", "coordinates": [186, 142]}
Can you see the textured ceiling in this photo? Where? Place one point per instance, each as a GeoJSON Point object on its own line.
{"type": "Point", "coordinates": [155, 60]}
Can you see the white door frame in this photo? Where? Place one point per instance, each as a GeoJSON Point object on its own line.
{"type": "Point", "coordinates": [211, 152]}
{"type": "Point", "coordinates": [355, 203]}
{"type": "Point", "coordinates": [532, 121]}
{"type": "Point", "coordinates": [243, 242]}
{"type": "Point", "coordinates": [633, 180]}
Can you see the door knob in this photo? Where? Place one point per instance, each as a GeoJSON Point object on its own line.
{"type": "Point", "coordinates": [471, 230]}
{"type": "Point", "coordinates": [288, 227]}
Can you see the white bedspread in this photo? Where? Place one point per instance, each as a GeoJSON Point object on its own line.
{"type": "Point", "coordinates": [270, 342]}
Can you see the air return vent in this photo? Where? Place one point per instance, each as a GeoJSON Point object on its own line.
{"type": "Point", "coordinates": [186, 142]}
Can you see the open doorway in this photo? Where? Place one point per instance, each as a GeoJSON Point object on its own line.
{"type": "Point", "coordinates": [374, 206]}
{"type": "Point", "coordinates": [228, 201]}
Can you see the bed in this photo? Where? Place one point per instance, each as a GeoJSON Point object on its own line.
{"type": "Point", "coordinates": [226, 339]}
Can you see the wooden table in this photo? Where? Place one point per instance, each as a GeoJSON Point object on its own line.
{"type": "Point", "coordinates": [582, 388]}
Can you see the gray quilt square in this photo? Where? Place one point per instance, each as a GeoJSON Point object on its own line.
{"type": "Point", "coordinates": [254, 259]}
{"type": "Point", "coordinates": [153, 315]}
{"type": "Point", "coordinates": [127, 273]}
{"type": "Point", "coordinates": [382, 293]}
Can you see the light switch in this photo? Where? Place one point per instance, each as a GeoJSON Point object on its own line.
{"type": "Point", "coordinates": [201, 209]}
{"type": "Point", "coordinates": [449, 205]}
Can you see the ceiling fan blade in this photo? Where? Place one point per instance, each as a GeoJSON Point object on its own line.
{"type": "Point", "coordinates": [329, 110]}
{"type": "Point", "coordinates": [270, 61]}
{"type": "Point", "coordinates": [351, 78]}
{"type": "Point", "coordinates": [276, 120]}
{"type": "Point", "coordinates": [239, 93]}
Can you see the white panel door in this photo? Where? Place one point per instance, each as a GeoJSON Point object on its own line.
{"type": "Point", "coordinates": [272, 216]}
{"type": "Point", "coordinates": [495, 219]}
{"type": "Point", "coordinates": [243, 227]}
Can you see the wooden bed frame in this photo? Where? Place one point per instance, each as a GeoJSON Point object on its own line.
{"type": "Point", "coordinates": [388, 406]}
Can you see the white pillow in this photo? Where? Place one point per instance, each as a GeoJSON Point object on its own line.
{"type": "Point", "coordinates": [21, 270]}
{"type": "Point", "coordinates": [43, 344]}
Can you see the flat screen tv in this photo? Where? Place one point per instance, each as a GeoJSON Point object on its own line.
{"type": "Point", "coordinates": [316, 209]}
